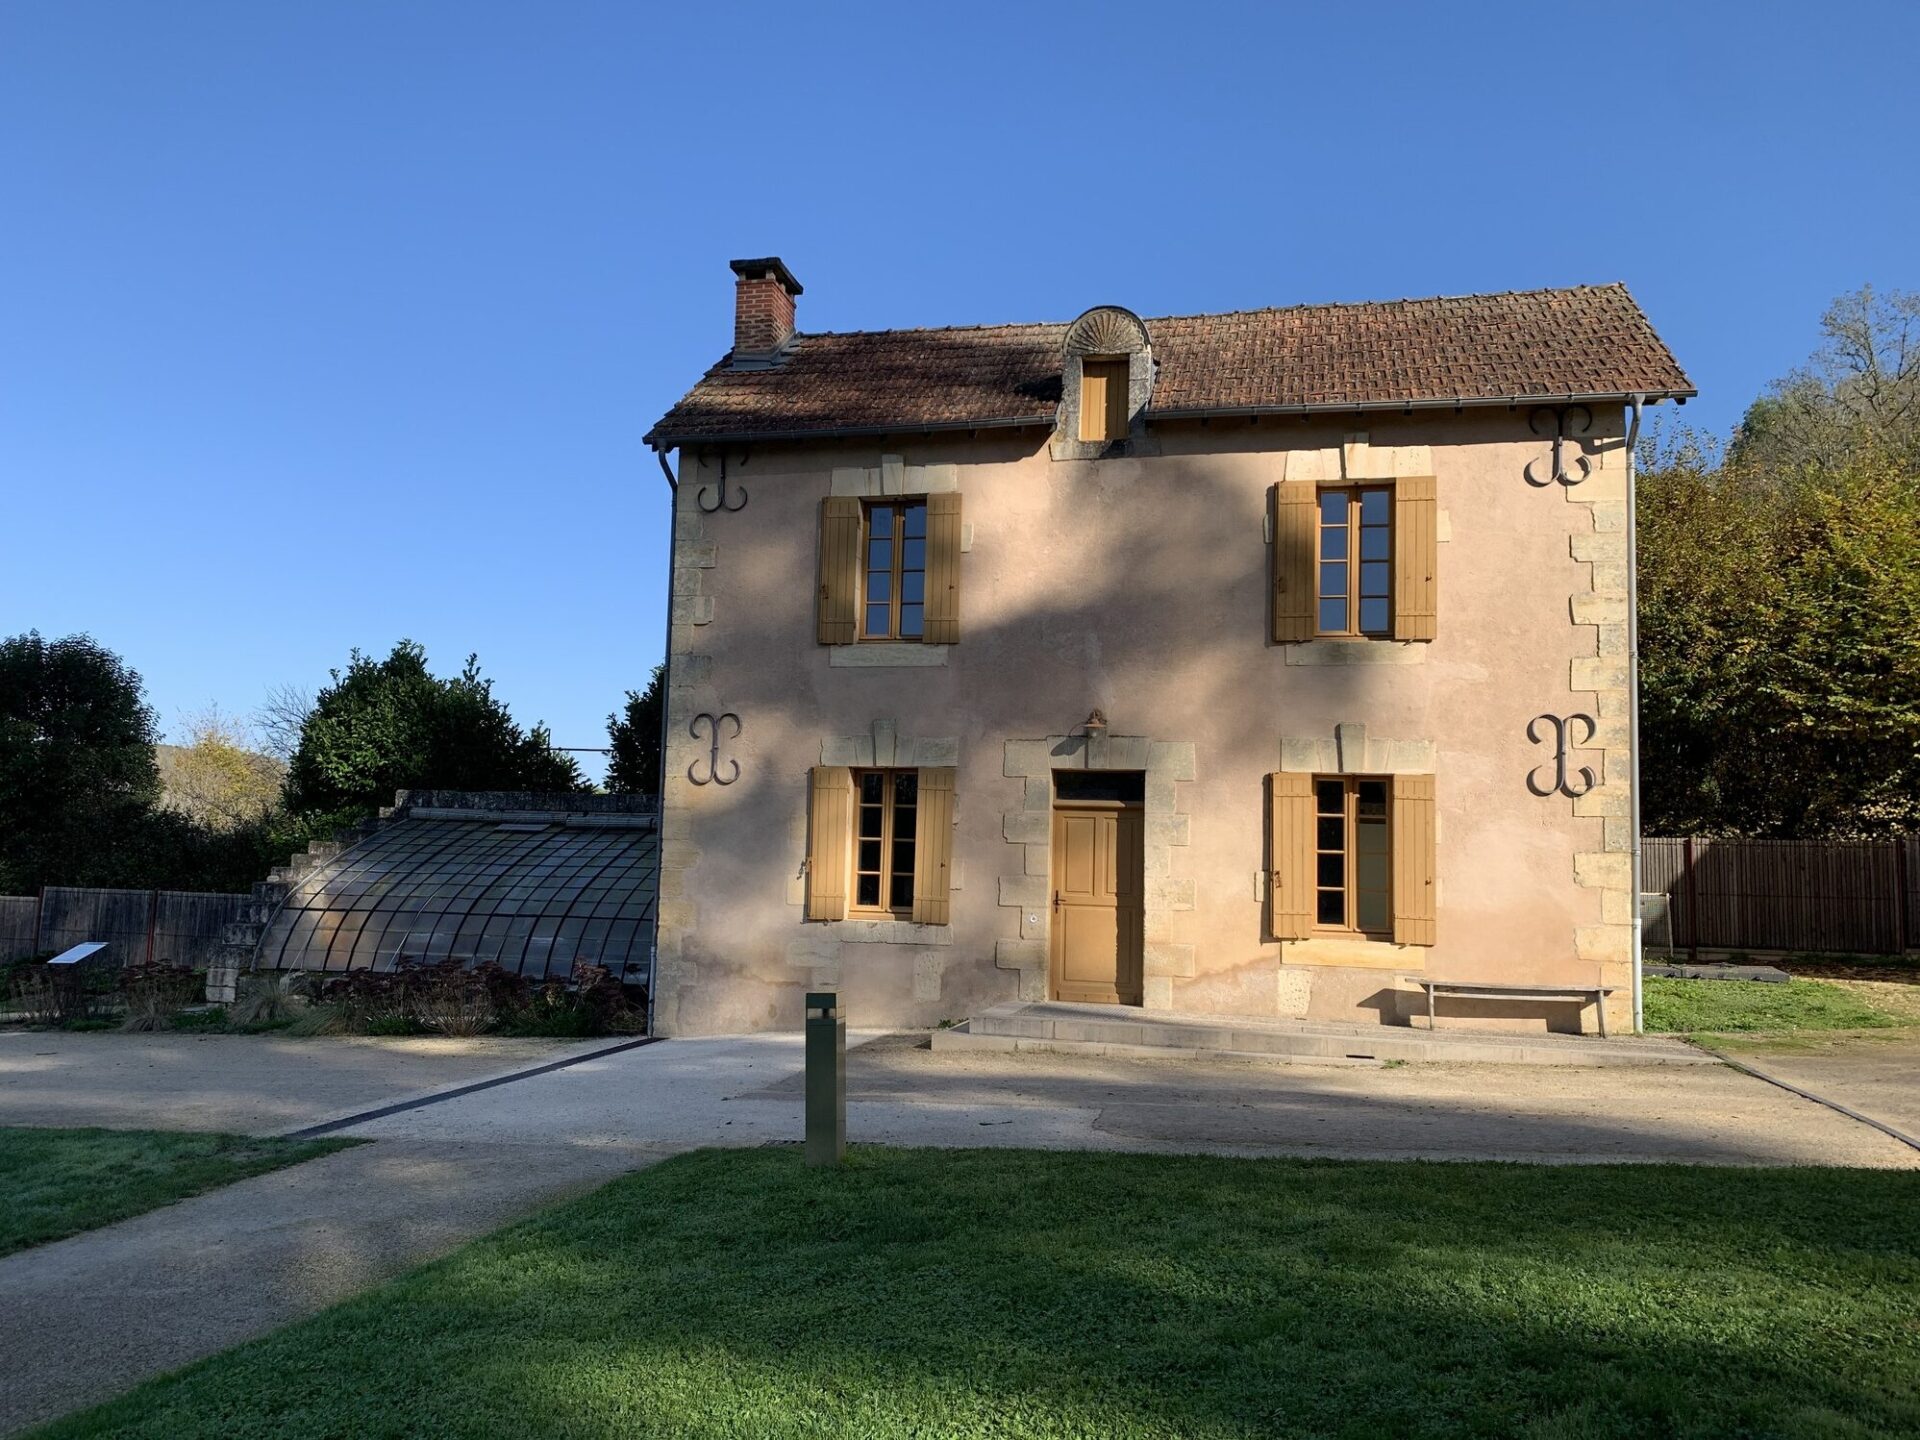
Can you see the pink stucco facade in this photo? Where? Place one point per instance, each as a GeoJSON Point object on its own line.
{"type": "Point", "coordinates": [1139, 586]}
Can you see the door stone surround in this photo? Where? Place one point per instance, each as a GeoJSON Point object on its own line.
{"type": "Point", "coordinates": [1023, 889]}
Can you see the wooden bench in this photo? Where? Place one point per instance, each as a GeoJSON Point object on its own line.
{"type": "Point", "coordinates": [1596, 995]}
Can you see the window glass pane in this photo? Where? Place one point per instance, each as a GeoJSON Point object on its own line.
{"type": "Point", "coordinates": [1331, 796]}
{"type": "Point", "coordinates": [1333, 616]}
{"type": "Point", "coordinates": [1373, 507]}
{"type": "Point", "coordinates": [913, 586]}
{"type": "Point", "coordinates": [877, 619]}
{"type": "Point", "coordinates": [870, 821]}
{"type": "Point", "coordinates": [906, 788]}
{"type": "Point", "coordinates": [868, 891]}
{"type": "Point", "coordinates": [1332, 833]}
{"type": "Point", "coordinates": [869, 854]}
{"type": "Point", "coordinates": [913, 555]}
{"type": "Point", "coordinates": [1333, 908]}
{"type": "Point", "coordinates": [1373, 578]}
{"type": "Point", "coordinates": [1373, 617]}
{"type": "Point", "coordinates": [1373, 797]}
{"type": "Point", "coordinates": [902, 855]}
{"type": "Point", "coordinates": [1372, 905]}
{"type": "Point", "coordinates": [879, 585]}
{"type": "Point", "coordinates": [1333, 542]}
{"type": "Point", "coordinates": [1333, 578]}
{"type": "Point", "coordinates": [873, 787]}
{"type": "Point", "coordinates": [910, 620]}
{"type": "Point", "coordinates": [902, 892]}
{"type": "Point", "coordinates": [1333, 507]}
{"type": "Point", "coordinates": [880, 554]}
{"type": "Point", "coordinates": [880, 520]}
{"type": "Point", "coordinates": [916, 520]}
{"type": "Point", "coordinates": [1373, 543]}
{"type": "Point", "coordinates": [1332, 869]}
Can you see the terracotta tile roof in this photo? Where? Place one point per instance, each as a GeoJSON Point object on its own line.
{"type": "Point", "coordinates": [1591, 341]}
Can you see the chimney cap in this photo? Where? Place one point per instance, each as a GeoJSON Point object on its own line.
{"type": "Point", "coordinates": [768, 265]}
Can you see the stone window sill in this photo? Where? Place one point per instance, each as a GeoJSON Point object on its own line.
{"type": "Point", "coordinates": [1355, 954]}
{"type": "Point", "coordinates": [1335, 651]}
{"type": "Point", "coordinates": [886, 654]}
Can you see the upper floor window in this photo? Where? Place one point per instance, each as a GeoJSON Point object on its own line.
{"type": "Point", "coordinates": [1354, 562]}
{"type": "Point", "coordinates": [1103, 399]}
{"type": "Point", "coordinates": [1353, 856]}
{"type": "Point", "coordinates": [885, 831]}
{"type": "Point", "coordinates": [895, 570]}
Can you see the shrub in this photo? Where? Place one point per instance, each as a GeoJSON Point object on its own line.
{"type": "Point", "coordinates": [450, 999]}
{"type": "Point", "coordinates": [60, 994]}
{"type": "Point", "coordinates": [268, 998]}
{"type": "Point", "coordinates": [156, 992]}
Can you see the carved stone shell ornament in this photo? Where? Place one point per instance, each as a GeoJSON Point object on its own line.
{"type": "Point", "coordinates": [1107, 330]}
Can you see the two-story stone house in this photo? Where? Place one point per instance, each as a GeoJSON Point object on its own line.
{"type": "Point", "coordinates": [1244, 664]}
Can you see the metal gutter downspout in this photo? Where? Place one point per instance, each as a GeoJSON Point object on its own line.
{"type": "Point", "coordinates": [666, 680]}
{"type": "Point", "coordinates": [1633, 706]}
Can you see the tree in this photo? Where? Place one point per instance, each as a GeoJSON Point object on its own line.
{"type": "Point", "coordinates": [76, 760]}
{"type": "Point", "coordinates": [281, 717]}
{"type": "Point", "coordinates": [634, 737]}
{"type": "Point", "coordinates": [1780, 647]}
{"type": "Point", "coordinates": [1860, 391]}
{"type": "Point", "coordinates": [388, 725]}
{"type": "Point", "coordinates": [218, 777]}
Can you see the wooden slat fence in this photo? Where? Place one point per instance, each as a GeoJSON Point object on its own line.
{"type": "Point", "coordinates": [1839, 897]}
{"type": "Point", "coordinates": [17, 916]}
{"type": "Point", "coordinates": [183, 927]}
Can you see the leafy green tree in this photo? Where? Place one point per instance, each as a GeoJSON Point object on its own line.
{"type": "Point", "coordinates": [1780, 645]}
{"type": "Point", "coordinates": [387, 725]}
{"type": "Point", "coordinates": [76, 761]}
{"type": "Point", "coordinates": [633, 734]}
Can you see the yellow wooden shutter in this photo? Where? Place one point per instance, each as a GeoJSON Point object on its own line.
{"type": "Point", "coordinates": [1295, 530]}
{"type": "Point", "coordinates": [1416, 513]}
{"type": "Point", "coordinates": [829, 827]}
{"type": "Point", "coordinates": [1413, 860]}
{"type": "Point", "coordinates": [942, 616]}
{"type": "Point", "coordinates": [839, 570]}
{"type": "Point", "coordinates": [1290, 855]}
{"type": "Point", "coordinates": [933, 847]}
{"type": "Point", "coordinates": [1093, 400]}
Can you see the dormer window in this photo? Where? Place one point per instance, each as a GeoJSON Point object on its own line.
{"type": "Point", "coordinates": [1106, 382]}
{"type": "Point", "coordinates": [1103, 398]}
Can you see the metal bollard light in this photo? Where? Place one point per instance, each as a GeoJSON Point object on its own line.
{"type": "Point", "coordinates": [826, 1079]}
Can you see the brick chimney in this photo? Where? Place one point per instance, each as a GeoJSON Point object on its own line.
{"type": "Point", "coordinates": [762, 309]}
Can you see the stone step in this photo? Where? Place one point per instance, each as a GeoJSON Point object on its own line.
{"type": "Point", "coordinates": [324, 850]}
{"type": "Point", "coordinates": [242, 932]}
{"type": "Point", "coordinates": [1123, 1030]}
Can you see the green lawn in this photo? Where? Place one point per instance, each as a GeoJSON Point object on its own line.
{"type": "Point", "coordinates": [55, 1183]}
{"type": "Point", "coordinates": [1738, 1006]}
{"type": "Point", "coordinates": [1020, 1293]}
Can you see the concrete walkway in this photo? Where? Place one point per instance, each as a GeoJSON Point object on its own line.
{"type": "Point", "coordinates": [747, 1091]}
{"type": "Point", "coordinates": [252, 1084]}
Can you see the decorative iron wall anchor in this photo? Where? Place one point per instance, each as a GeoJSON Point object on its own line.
{"type": "Point", "coordinates": [719, 492]}
{"type": "Point", "coordinates": [713, 722]}
{"type": "Point", "coordinates": [1564, 423]}
{"type": "Point", "coordinates": [1563, 747]}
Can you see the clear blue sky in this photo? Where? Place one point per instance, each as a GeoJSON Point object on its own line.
{"type": "Point", "coordinates": [324, 324]}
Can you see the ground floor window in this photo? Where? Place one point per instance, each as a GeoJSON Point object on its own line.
{"type": "Point", "coordinates": [887, 804]}
{"type": "Point", "coordinates": [1353, 856]}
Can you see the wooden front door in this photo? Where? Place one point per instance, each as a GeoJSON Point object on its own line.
{"type": "Point", "coordinates": [1097, 902]}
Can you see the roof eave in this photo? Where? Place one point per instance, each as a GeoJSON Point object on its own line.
{"type": "Point", "coordinates": [1430, 402]}
{"type": "Point", "coordinates": [669, 440]}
